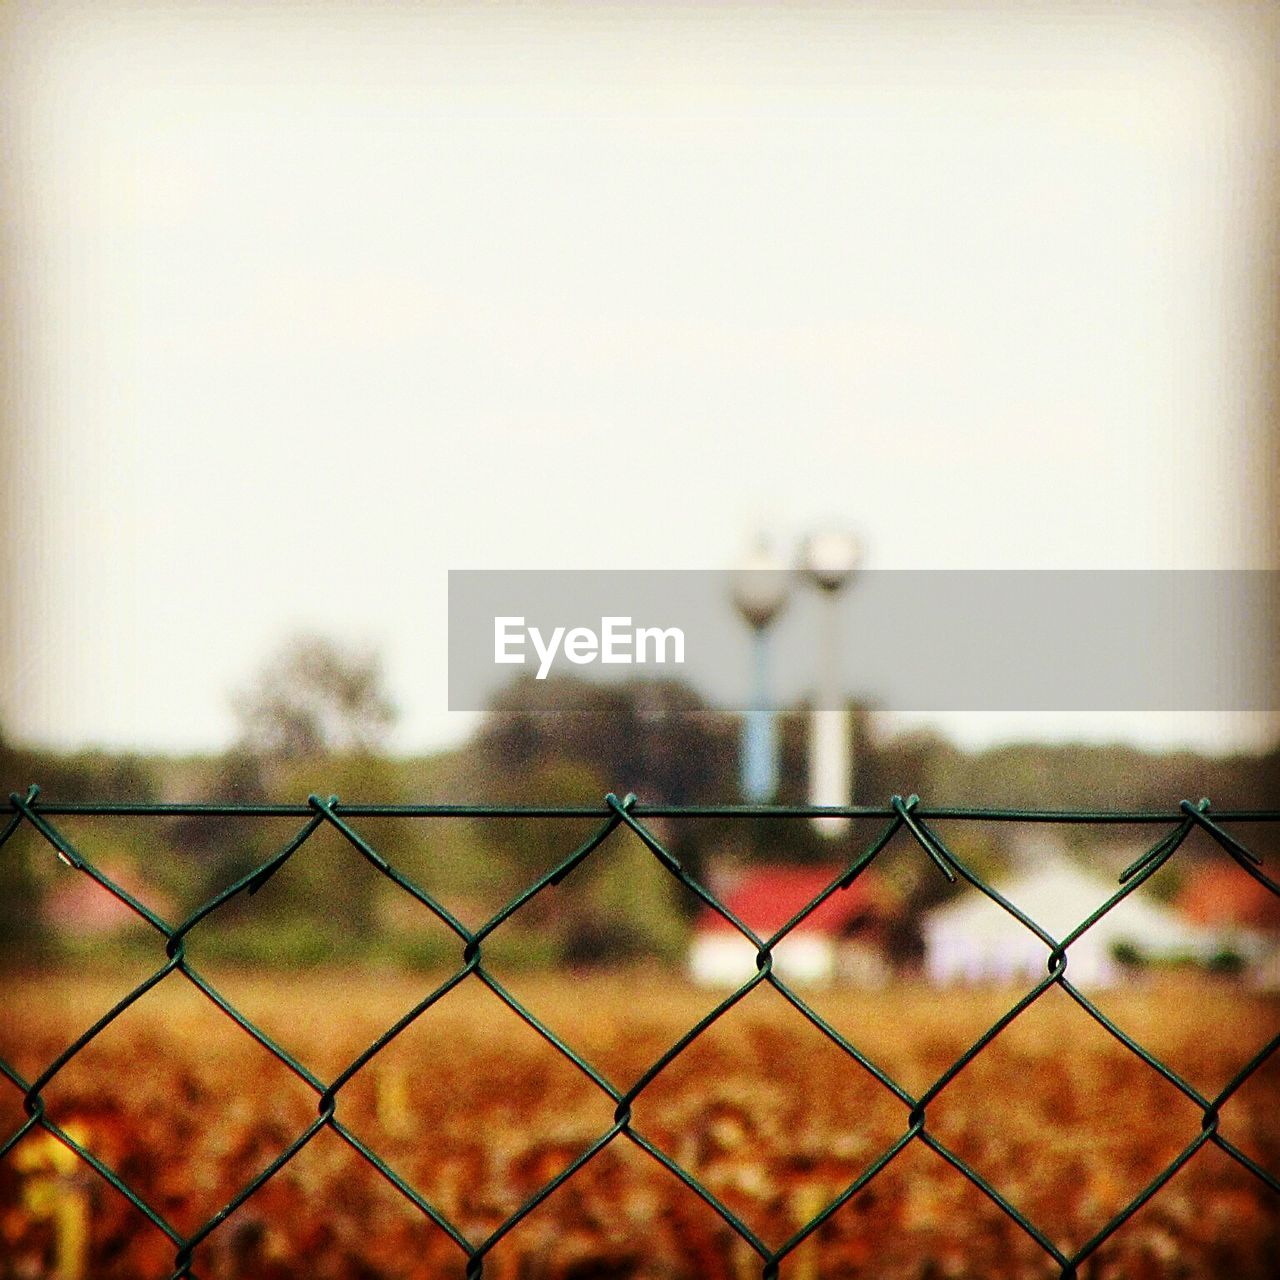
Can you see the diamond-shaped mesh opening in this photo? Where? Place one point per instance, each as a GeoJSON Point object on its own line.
{"type": "Point", "coordinates": [475, 1109]}
{"type": "Point", "coordinates": [323, 1018]}
{"type": "Point", "coordinates": [617, 919]}
{"type": "Point", "coordinates": [1062, 1120]}
{"type": "Point", "coordinates": [186, 1134]}
{"type": "Point", "coordinates": [320, 907]}
{"type": "Point", "coordinates": [762, 1108]}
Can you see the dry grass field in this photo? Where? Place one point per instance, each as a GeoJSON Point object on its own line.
{"type": "Point", "coordinates": [474, 1110]}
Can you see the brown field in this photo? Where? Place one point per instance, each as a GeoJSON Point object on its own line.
{"type": "Point", "coordinates": [477, 1112]}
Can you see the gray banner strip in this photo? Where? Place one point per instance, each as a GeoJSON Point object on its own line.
{"type": "Point", "coordinates": [903, 640]}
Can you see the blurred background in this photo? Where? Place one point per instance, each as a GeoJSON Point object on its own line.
{"type": "Point", "coordinates": [308, 305]}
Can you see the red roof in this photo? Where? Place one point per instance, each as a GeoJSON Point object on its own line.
{"type": "Point", "coordinates": [1226, 895]}
{"type": "Point", "coordinates": [765, 898]}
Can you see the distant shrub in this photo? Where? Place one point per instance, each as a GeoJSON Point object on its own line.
{"type": "Point", "coordinates": [1226, 960]}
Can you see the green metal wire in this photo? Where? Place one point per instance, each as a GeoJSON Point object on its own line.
{"type": "Point", "coordinates": [901, 814]}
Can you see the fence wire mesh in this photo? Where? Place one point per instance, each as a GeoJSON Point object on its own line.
{"type": "Point", "coordinates": [900, 815]}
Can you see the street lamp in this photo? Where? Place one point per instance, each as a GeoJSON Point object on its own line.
{"type": "Point", "coordinates": [829, 560]}
{"type": "Point", "coordinates": [760, 590]}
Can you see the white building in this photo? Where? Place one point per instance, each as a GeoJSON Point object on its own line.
{"type": "Point", "coordinates": [973, 939]}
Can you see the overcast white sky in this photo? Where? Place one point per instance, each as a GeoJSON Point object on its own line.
{"type": "Point", "coordinates": [307, 305]}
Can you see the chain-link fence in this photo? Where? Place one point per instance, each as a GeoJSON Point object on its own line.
{"type": "Point", "coordinates": [907, 816]}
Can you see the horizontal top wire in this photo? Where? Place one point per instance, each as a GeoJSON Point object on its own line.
{"type": "Point", "coordinates": [93, 808]}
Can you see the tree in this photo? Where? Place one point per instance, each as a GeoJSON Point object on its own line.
{"type": "Point", "coordinates": [315, 697]}
{"type": "Point", "coordinates": [657, 738]}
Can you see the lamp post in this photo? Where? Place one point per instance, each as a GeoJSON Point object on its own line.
{"type": "Point", "coordinates": [829, 560]}
{"type": "Point", "coordinates": [760, 593]}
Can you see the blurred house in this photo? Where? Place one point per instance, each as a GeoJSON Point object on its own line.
{"type": "Point", "coordinates": [973, 940]}
{"type": "Point", "coordinates": [1243, 914]}
{"type": "Point", "coordinates": [76, 905]}
{"type": "Point", "coordinates": [1220, 895]}
{"type": "Point", "coordinates": [840, 940]}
